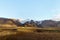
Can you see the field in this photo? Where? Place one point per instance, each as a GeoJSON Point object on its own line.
{"type": "Point", "coordinates": [31, 33]}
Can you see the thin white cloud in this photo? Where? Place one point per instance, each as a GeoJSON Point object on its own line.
{"type": "Point", "coordinates": [21, 19]}
{"type": "Point", "coordinates": [56, 15]}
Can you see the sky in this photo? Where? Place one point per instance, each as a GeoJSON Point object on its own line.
{"type": "Point", "coordinates": [30, 9]}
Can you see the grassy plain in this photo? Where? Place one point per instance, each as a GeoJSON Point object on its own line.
{"type": "Point", "coordinates": [31, 33]}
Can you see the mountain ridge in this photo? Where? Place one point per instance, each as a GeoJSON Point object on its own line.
{"type": "Point", "coordinates": [9, 22]}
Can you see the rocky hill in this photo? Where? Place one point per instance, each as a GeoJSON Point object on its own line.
{"type": "Point", "coordinates": [8, 23]}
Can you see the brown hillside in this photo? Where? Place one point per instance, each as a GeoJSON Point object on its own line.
{"type": "Point", "coordinates": [5, 22]}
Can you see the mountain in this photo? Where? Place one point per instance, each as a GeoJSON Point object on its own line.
{"type": "Point", "coordinates": [49, 23]}
{"type": "Point", "coordinates": [41, 24]}
{"type": "Point", "coordinates": [6, 22]}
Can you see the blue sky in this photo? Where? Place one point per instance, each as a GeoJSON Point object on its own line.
{"type": "Point", "coordinates": [30, 9]}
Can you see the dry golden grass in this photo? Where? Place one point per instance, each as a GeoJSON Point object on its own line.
{"type": "Point", "coordinates": [27, 33]}
{"type": "Point", "coordinates": [4, 33]}
{"type": "Point", "coordinates": [32, 36]}
{"type": "Point", "coordinates": [26, 29]}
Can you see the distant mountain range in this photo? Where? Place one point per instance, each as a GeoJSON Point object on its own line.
{"type": "Point", "coordinates": [7, 22]}
{"type": "Point", "coordinates": [44, 23]}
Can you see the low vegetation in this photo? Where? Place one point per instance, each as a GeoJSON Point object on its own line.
{"type": "Point", "coordinates": [32, 36]}
{"type": "Point", "coordinates": [27, 33]}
